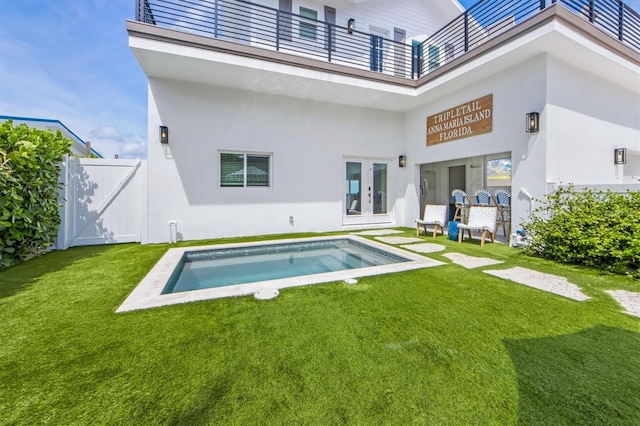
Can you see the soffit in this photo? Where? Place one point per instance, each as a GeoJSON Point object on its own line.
{"type": "Point", "coordinates": [557, 33]}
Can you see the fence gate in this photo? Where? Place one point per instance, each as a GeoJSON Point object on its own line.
{"type": "Point", "coordinates": [103, 201]}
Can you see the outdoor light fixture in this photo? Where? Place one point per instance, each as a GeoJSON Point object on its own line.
{"type": "Point", "coordinates": [620, 156]}
{"type": "Point", "coordinates": [402, 161]}
{"type": "Point", "coordinates": [164, 134]}
{"type": "Point", "coordinates": [533, 122]}
{"type": "Point", "coordinates": [351, 25]}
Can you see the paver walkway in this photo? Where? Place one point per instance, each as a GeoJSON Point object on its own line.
{"type": "Point", "coordinates": [539, 280]}
{"type": "Point", "coordinates": [424, 248]}
{"type": "Point", "coordinates": [378, 232]}
{"type": "Point", "coordinates": [547, 282]}
{"type": "Point", "coordinates": [628, 299]}
{"type": "Point", "coordinates": [399, 240]}
{"type": "Point", "coordinates": [470, 262]}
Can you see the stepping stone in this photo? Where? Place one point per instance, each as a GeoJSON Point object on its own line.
{"type": "Point", "coordinates": [470, 262]}
{"type": "Point", "coordinates": [546, 282]}
{"type": "Point", "coordinates": [399, 240]}
{"type": "Point", "coordinates": [424, 248]}
{"type": "Point", "coordinates": [378, 232]}
{"type": "Point", "coordinates": [628, 299]}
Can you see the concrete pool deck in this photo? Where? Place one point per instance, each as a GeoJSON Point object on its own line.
{"type": "Point", "coordinates": [148, 294]}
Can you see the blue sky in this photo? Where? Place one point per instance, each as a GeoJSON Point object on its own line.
{"type": "Point", "coordinates": [69, 60]}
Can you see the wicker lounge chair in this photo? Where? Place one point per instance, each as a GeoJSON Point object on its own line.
{"type": "Point", "coordinates": [481, 218]}
{"type": "Point", "coordinates": [434, 214]}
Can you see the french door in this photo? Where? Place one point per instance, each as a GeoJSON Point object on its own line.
{"type": "Point", "coordinates": [367, 191]}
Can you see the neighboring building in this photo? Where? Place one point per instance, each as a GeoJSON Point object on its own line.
{"type": "Point", "coordinates": [79, 148]}
{"type": "Point", "coordinates": [288, 116]}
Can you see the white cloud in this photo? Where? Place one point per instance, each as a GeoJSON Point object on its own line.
{"type": "Point", "coordinates": [107, 132]}
{"type": "Point", "coordinates": [134, 147]}
{"type": "Point", "coordinates": [111, 141]}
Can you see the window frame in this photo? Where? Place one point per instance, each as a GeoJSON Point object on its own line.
{"type": "Point", "coordinates": [245, 181]}
{"type": "Point", "coordinates": [308, 30]}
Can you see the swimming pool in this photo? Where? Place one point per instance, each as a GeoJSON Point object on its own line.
{"type": "Point", "coordinates": [223, 267]}
{"type": "Point", "coordinates": [200, 273]}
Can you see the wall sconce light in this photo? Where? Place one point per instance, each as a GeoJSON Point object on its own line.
{"type": "Point", "coordinates": [164, 134]}
{"type": "Point", "coordinates": [351, 25]}
{"type": "Point", "coordinates": [533, 122]}
{"type": "Point", "coordinates": [620, 156]}
{"type": "Point", "coordinates": [402, 161]}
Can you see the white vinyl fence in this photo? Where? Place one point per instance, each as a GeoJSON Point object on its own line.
{"type": "Point", "coordinates": [104, 201]}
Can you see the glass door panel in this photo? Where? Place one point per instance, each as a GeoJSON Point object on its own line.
{"type": "Point", "coordinates": [353, 192]}
{"type": "Point", "coordinates": [367, 197]}
{"type": "Point", "coordinates": [380, 188]}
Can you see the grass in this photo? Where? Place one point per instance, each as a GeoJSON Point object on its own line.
{"type": "Point", "coordinates": [442, 345]}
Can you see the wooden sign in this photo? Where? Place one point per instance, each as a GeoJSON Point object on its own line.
{"type": "Point", "coordinates": [469, 119]}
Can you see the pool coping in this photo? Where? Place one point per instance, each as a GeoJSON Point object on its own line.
{"type": "Point", "coordinates": [148, 293]}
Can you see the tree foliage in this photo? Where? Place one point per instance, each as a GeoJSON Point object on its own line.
{"type": "Point", "coordinates": [29, 171]}
{"type": "Point", "coordinates": [593, 228]}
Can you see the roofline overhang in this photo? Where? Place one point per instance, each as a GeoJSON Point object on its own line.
{"type": "Point", "coordinates": [168, 54]}
{"type": "Point", "coordinates": [551, 14]}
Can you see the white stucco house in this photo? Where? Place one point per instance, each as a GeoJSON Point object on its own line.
{"type": "Point", "coordinates": [80, 148]}
{"type": "Point", "coordinates": [279, 116]}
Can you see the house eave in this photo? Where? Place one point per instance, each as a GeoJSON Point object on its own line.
{"type": "Point", "coordinates": [170, 54]}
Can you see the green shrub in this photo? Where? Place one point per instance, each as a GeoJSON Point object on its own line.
{"type": "Point", "coordinates": [29, 170]}
{"type": "Point", "coordinates": [593, 228]}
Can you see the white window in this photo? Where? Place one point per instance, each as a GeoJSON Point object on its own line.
{"type": "Point", "coordinates": [240, 169]}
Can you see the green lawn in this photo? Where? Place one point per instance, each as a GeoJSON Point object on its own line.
{"type": "Point", "coordinates": [442, 345]}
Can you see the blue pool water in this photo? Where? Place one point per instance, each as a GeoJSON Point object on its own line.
{"type": "Point", "coordinates": [224, 267]}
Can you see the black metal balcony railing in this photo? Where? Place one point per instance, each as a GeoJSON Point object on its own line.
{"type": "Point", "coordinates": [488, 18]}
{"type": "Point", "coordinates": [248, 23]}
{"type": "Point", "coordinates": [612, 16]}
{"type": "Point", "coordinates": [241, 21]}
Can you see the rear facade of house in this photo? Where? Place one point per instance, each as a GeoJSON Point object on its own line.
{"type": "Point", "coordinates": [280, 116]}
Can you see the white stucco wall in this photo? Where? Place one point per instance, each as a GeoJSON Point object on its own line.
{"type": "Point", "coordinates": [308, 140]}
{"type": "Point", "coordinates": [587, 118]}
{"type": "Point", "coordinates": [582, 119]}
{"type": "Point", "coordinates": [516, 91]}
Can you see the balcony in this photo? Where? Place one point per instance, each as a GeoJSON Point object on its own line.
{"type": "Point", "coordinates": [267, 28]}
{"type": "Point", "coordinates": [243, 45]}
